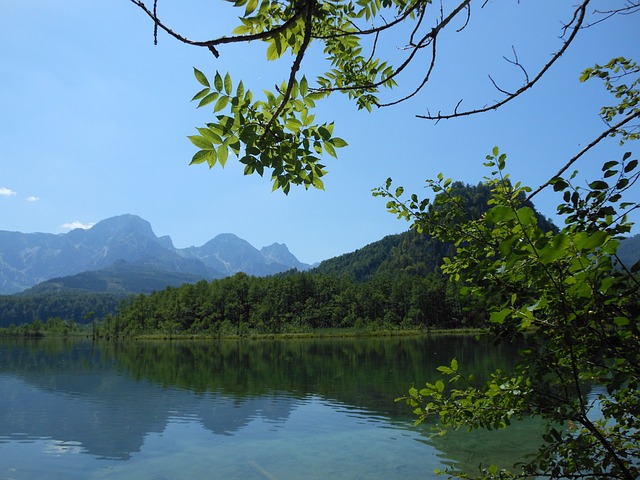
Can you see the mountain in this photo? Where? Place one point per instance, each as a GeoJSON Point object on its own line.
{"type": "Point", "coordinates": [629, 251]}
{"type": "Point", "coordinates": [123, 253]}
{"type": "Point", "coordinates": [419, 254]}
{"type": "Point", "coordinates": [229, 254]}
{"type": "Point", "coordinates": [278, 253]}
{"type": "Point", "coordinates": [409, 252]}
{"type": "Point", "coordinates": [121, 278]}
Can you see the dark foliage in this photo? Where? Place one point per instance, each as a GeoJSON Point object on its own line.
{"type": "Point", "coordinates": [76, 307]}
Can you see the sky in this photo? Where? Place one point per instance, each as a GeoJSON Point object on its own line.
{"type": "Point", "coordinates": [94, 120]}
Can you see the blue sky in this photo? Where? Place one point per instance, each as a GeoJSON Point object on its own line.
{"type": "Point", "coordinates": [94, 120]}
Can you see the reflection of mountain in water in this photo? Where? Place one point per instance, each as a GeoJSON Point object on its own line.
{"type": "Point", "coordinates": [113, 422]}
{"type": "Point", "coordinates": [109, 397]}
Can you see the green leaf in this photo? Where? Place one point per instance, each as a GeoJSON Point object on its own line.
{"type": "Point", "coordinates": [330, 150]}
{"type": "Point", "coordinates": [630, 166]}
{"type": "Point", "coordinates": [598, 185]}
{"type": "Point", "coordinates": [338, 142]}
{"type": "Point", "coordinates": [588, 242]}
{"type": "Point", "coordinates": [208, 99]}
{"type": "Point", "coordinates": [222, 102]}
{"type": "Point", "coordinates": [324, 133]}
{"type": "Point", "coordinates": [250, 8]}
{"type": "Point", "coordinates": [621, 321]}
{"type": "Point", "coordinates": [559, 184]}
{"type": "Point", "coordinates": [500, 213]}
{"type": "Point", "coordinates": [200, 157]}
{"type": "Point", "coordinates": [228, 84]}
{"type": "Point", "coordinates": [234, 144]}
{"type": "Point", "coordinates": [201, 94]}
{"type": "Point", "coordinates": [200, 142]}
{"type": "Point", "coordinates": [293, 124]}
{"type": "Point", "coordinates": [217, 82]}
{"type": "Point", "coordinates": [223, 154]}
{"type": "Point", "coordinates": [211, 159]}
{"type": "Point", "coordinates": [201, 77]}
{"type": "Point", "coordinates": [317, 183]}
{"type": "Point", "coordinates": [498, 317]}
{"type": "Point", "coordinates": [454, 365]}
{"type": "Point", "coordinates": [241, 30]}
{"type": "Point", "coordinates": [274, 51]}
{"type": "Point", "coordinates": [210, 135]}
{"type": "Point", "coordinates": [240, 90]}
{"type": "Point", "coordinates": [555, 249]}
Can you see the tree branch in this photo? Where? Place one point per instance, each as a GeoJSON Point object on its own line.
{"type": "Point", "coordinates": [211, 44]}
{"type": "Point", "coordinates": [578, 20]}
{"type": "Point", "coordinates": [424, 41]}
{"type": "Point", "coordinates": [375, 30]}
{"type": "Point", "coordinates": [308, 26]}
{"type": "Point", "coordinates": [600, 137]}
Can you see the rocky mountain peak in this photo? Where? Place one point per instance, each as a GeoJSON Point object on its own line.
{"type": "Point", "coordinates": [29, 259]}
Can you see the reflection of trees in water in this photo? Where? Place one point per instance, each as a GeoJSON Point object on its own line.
{"type": "Point", "coordinates": [467, 451]}
{"type": "Point", "coordinates": [110, 396]}
{"type": "Point", "coordinates": [350, 368]}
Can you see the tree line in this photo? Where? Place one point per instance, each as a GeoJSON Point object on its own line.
{"type": "Point", "coordinates": [292, 303]}
{"type": "Point", "coordinates": [72, 307]}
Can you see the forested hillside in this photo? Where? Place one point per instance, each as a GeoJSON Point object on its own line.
{"type": "Point", "coordinates": [412, 252]}
{"type": "Point", "coordinates": [73, 307]}
{"type": "Point", "coordinates": [409, 253]}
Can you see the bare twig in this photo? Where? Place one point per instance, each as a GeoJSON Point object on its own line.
{"type": "Point", "coordinates": [422, 84]}
{"type": "Point", "coordinates": [426, 40]}
{"type": "Point", "coordinates": [577, 21]}
{"type": "Point", "coordinates": [155, 23]}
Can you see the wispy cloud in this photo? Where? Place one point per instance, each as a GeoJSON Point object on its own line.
{"type": "Point", "coordinates": [33, 198]}
{"type": "Point", "coordinates": [6, 192]}
{"type": "Point", "coordinates": [76, 224]}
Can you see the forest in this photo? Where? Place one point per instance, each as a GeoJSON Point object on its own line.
{"type": "Point", "coordinates": [69, 307]}
{"type": "Point", "coordinates": [292, 303]}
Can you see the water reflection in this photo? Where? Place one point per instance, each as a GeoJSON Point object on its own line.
{"type": "Point", "coordinates": [113, 401]}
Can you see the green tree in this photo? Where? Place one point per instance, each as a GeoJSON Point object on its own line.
{"type": "Point", "coordinates": [563, 292]}
{"type": "Point", "coordinates": [567, 297]}
{"type": "Point", "coordinates": [368, 48]}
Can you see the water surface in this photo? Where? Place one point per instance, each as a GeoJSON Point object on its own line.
{"type": "Point", "coordinates": [312, 409]}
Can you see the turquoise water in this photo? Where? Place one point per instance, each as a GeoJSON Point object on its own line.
{"type": "Point", "coordinates": [239, 410]}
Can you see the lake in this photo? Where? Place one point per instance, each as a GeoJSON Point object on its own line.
{"type": "Point", "coordinates": [267, 409]}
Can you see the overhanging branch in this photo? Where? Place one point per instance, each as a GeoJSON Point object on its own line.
{"type": "Point", "coordinates": [573, 160]}
{"type": "Point", "coordinates": [577, 21]}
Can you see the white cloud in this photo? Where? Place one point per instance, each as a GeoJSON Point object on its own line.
{"type": "Point", "coordinates": [6, 192]}
{"type": "Point", "coordinates": [33, 198]}
{"type": "Point", "coordinates": [76, 224]}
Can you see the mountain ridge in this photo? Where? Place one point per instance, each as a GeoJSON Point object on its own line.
{"type": "Point", "coordinates": [30, 259]}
